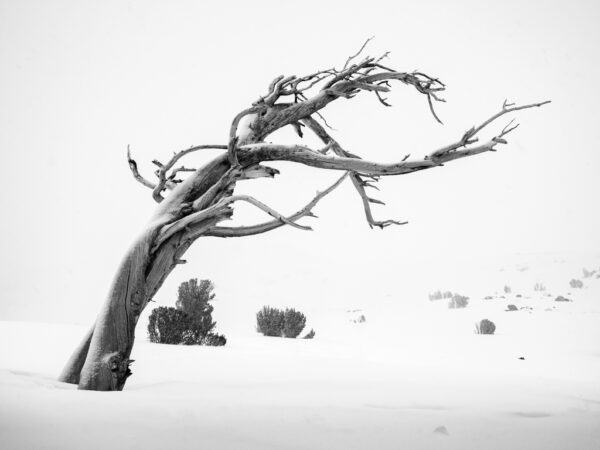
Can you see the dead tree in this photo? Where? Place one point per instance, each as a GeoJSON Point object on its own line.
{"type": "Point", "coordinates": [197, 206]}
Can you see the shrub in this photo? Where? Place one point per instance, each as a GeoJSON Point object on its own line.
{"type": "Point", "coordinates": [507, 290]}
{"type": "Point", "coordinates": [168, 325]}
{"type": "Point", "coordinates": [213, 339]}
{"type": "Point", "coordinates": [193, 298]}
{"type": "Point", "coordinates": [512, 308]}
{"type": "Point", "coordinates": [458, 301]}
{"type": "Point", "coordinates": [435, 296]}
{"type": "Point", "coordinates": [310, 334]}
{"type": "Point", "coordinates": [576, 284]}
{"type": "Point", "coordinates": [539, 287]}
{"type": "Point", "coordinates": [485, 327]}
{"type": "Point", "coordinates": [360, 319]}
{"type": "Point", "coordinates": [190, 323]}
{"type": "Point", "coordinates": [587, 273]}
{"type": "Point", "coordinates": [294, 322]}
{"type": "Point", "coordinates": [275, 322]}
{"type": "Point", "coordinates": [270, 321]}
{"type": "Point", "coordinates": [438, 295]}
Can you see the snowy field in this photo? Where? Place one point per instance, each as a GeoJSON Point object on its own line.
{"type": "Point", "coordinates": [414, 375]}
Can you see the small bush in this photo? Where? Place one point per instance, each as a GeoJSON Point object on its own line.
{"type": "Point", "coordinates": [193, 298]}
{"type": "Point", "coordinates": [275, 322]}
{"type": "Point", "coordinates": [576, 283]}
{"type": "Point", "coordinates": [539, 287]}
{"type": "Point", "coordinates": [310, 334]}
{"type": "Point", "coordinates": [587, 273]}
{"type": "Point", "coordinates": [512, 308]}
{"type": "Point", "coordinates": [458, 301]}
{"type": "Point", "coordinates": [435, 296]}
{"type": "Point", "coordinates": [168, 325]}
{"type": "Point", "coordinates": [560, 298]}
{"type": "Point", "coordinates": [270, 321]}
{"type": "Point", "coordinates": [294, 322]}
{"type": "Point", "coordinates": [507, 290]}
{"type": "Point", "coordinates": [190, 323]}
{"type": "Point", "coordinates": [485, 327]}
{"type": "Point", "coordinates": [213, 340]}
{"type": "Point", "coordinates": [438, 295]}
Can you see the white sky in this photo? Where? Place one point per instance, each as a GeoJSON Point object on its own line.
{"type": "Point", "coordinates": [81, 80]}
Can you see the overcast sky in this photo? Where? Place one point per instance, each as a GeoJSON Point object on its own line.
{"type": "Point", "coordinates": [79, 81]}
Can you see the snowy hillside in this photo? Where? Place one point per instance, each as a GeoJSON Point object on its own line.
{"type": "Point", "coordinates": [414, 375]}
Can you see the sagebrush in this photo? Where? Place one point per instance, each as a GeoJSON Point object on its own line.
{"type": "Point", "coordinates": [485, 326]}
{"type": "Point", "coordinates": [190, 322]}
{"type": "Point", "coordinates": [275, 322]}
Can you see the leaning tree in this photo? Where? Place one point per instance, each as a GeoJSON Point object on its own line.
{"type": "Point", "coordinates": [197, 206]}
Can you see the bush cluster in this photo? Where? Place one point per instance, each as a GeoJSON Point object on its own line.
{"type": "Point", "coordinates": [438, 295]}
{"type": "Point", "coordinates": [275, 322]}
{"type": "Point", "coordinates": [458, 301]}
{"type": "Point", "coordinates": [577, 284]}
{"type": "Point", "coordinates": [190, 322]}
{"type": "Point", "coordinates": [485, 326]}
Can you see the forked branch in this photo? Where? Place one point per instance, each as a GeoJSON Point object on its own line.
{"type": "Point", "coordinates": [306, 211]}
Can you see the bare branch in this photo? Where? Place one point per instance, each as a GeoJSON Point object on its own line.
{"type": "Point", "coordinates": [164, 177]}
{"type": "Point", "coordinates": [309, 157]}
{"type": "Point", "coordinates": [233, 132]}
{"type": "Point", "coordinates": [357, 181]}
{"type": "Point", "coordinates": [469, 137]}
{"type": "Point", "coordinates": [350, 58]}
{"type": "Point", "coordinates": [265, 208]}
{"type": "Point", "coordinates": [136, 174]}
{"type": "Point", "coordinates": [273, 224]}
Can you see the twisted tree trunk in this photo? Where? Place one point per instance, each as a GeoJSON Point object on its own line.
{"type": "Point", "coordinates": [102, 360]}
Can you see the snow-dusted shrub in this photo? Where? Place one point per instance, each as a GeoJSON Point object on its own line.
{"type": "Point", "coordinates": [507, 290]}
{"type": "Point", "coordinates": [587, 273]}
{"type": "Point", "coordinates": [539, 287]}
{"type": "Point", "coordinates": [193, 298]}
{"type": "Point", "coordinates": [485, 326]}
{"type": "Point", "coordinates": [458, 301]}
{"type": "Point", "coordinates": [293, 323]}
{"type": "Point", "coordinates": [310, 334]}
{"type": "Point", "coordinates": [190, 323]}
{"type": "Point", "coordinates": [435, 296]}
{"type": "Point", "coordinates": [512, 308]}
{"type": "Point", "coordinates": [270, 321]}
{"type": "Point", "coordinates": [576, 283]}
{"type": "Point", "coordinates": [213, 339]}
{"type": "Point", "coordinates": [275, 322]}
{"type": "Point", "coordinates": [360, 319]}
{"type": "Point", "coordinates": [168, 325]}
{"type": "Point", "coordinates": [438, 295]}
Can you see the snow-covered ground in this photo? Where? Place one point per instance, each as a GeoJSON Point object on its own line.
{"type": "Point", "coordinates": [413, 376]}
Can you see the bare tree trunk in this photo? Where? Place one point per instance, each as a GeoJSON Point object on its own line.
{"type": "Point", "coordinates": [106, 365]}
{"type": "Point", "coordinates": [101, 362]}
{"type": "Point", "coordinates": [72, 370]}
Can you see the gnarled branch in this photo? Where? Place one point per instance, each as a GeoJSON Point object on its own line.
{"type": "Point", "coordinates": [306, 211]}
